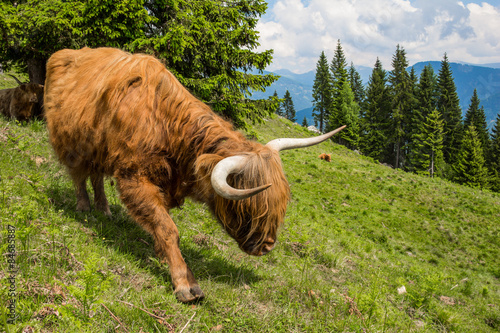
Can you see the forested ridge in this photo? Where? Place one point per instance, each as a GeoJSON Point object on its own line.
{"type": "Point", "coordinates": [407, 121]}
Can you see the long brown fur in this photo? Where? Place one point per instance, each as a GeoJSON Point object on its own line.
{"type": "Point", "coordinates": [112, 113]}
{"type": "Point", "coordinates": [326, 157]}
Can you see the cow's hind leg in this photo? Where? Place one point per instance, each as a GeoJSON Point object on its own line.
{"type": "Point", "coordinates": [147, 204]}
{"type": "Point", "coordinates": [82, 197]}
{"type": "Point", "coordinates": [100, 201]}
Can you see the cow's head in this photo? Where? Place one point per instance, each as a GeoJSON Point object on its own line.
{"type": "Point", "coordinates": [33, 92]}
{"type": "Point", "coordinates": [253, 193]}
{"type": "Point", "coordinates": [27, 95]}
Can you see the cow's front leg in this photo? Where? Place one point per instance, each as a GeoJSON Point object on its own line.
{"type": "Point", "coordinates": [146, 204]}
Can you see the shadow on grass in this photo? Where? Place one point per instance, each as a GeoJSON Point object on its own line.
{"type": "Point", "coordinates": [122, 234]}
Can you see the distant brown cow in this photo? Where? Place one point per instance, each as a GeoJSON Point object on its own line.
{"type": "Point", "coordinates": [22, 102]}
{"type": "Point", "coordinates": [112, 113]}
{"type": "Point", "coordinates": [326, 157]}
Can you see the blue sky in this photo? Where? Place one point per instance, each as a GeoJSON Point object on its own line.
{"type": "Point", "coordinates": [298, 30]}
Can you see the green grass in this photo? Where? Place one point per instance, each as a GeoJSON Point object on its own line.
{"type": "Point", "coordinates": [7, 81]}
{"type": "Point", "coordinates": [355, 232]}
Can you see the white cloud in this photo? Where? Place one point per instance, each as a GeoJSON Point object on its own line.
{"type": "Point", "coordinates": [485, 20]}
{"type": "Point", "coordinates": [368, 29]}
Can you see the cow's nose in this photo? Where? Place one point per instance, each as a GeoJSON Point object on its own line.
{"type": "Point", "coordinates": [268, 246]}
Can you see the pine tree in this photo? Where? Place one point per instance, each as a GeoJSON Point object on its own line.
{"type": "Point", "coordinates": [288, 107]}
{"type": "Point", "coordinates": [402, 104]}
{"type": "Point", "coordinates": [427, 92]}
{"type": "Point", "coordinates": [426, 103]}
{"type": "Point", "coordinates": [374, 122]}
{"type": "Point", "coordinates": [429, 144]}
{"type": "Point", "coordinates": [470, 166]}
{"type": "Point", "coordinates": [494, 162]}
{"type": "Point", "coordinates": [414, 90]}
{"type": "Point", "coordinates": [475, 116]}
{"type": "Point", "coordinates": [304, 122]}
{"type": "Point", "coordinates": [322, 93]}
{"type": "Point", "coordinates": [449, 106]}
{"type": "Point", "coordinates": [339, 65]}
{"type": "Point", "coordinates": [279, 109]}
{"type": "Point", "coordinates": [348, 114]}
{"type": "Point", "coordinates": [356, 85]}
{"type": "Point", "coordinates": [408, 120]}
{"type": "Point", "coordinates": [340, 77]}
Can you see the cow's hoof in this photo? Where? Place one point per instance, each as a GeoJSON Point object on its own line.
{"type": "Point", "coordinates": [105, 210]}
{"type": "Point", "coordinates": [187, 295]}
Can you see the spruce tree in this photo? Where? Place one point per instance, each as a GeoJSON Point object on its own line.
{"type": "Point", "coordinates": [348, 114]}
{"type": "Point", "coordinates": [429, 144]}
{"type": "Point", "coordinates": [340, 77]}
{"type": "Point", "coordinates": [288, 107]}
{"type": "Point", "coordinates": [449, 106]}
{"type": "Point", "coordinates": [356, 85]}
{"type": "Point", "coordinates": [426, 102]}
{"type": "Point", "coordinates": [339, 65]}
{"type": "Point", "coordinates": [426, 92]}
{"type": "Point", "coordinates": [279, 109]}
{"type": "Point", "coordinates": [414, 102]}
{"type": "Point", "coordinates": [494, 162]}
{"type": "Point", "coordinates": [375, 116]}
{"type": "Point", "coordinates": [470, 166]}
{"type": "Point", "coordinates": [322, 93]}
{"type": "Point", "coordinates": [475, 116]}
{"type": "Point", "coordinates": [402, 104]}
{"type": "Point", "coordinates": [304, 122]}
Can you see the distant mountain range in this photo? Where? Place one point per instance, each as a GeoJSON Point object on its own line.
{"type": "Point", "coordinates": [484, 78]}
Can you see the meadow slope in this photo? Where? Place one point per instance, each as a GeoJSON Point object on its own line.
{"type": "Point", "coordinates": [355, 232]}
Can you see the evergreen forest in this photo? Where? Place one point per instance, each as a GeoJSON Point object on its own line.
{"type": "Point", "coordinates": [408, 122]}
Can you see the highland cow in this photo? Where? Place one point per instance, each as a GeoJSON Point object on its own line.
{"type": "Point", "coordinates": [22, 102]}
{"type": "Point", "coordinates": [326, 157]}
{"type": "Point", "coordinates": [110, 113]}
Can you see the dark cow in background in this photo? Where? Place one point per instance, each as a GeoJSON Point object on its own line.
{"type": "Point", "coordinates": [22, 102]}
{"type": "Point", "coordinates": [112, 113]}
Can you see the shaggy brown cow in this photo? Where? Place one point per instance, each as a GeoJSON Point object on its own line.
{"type": "Point", "coordinates": [22, 102]}
{"type": "Point", "coordinates": [113, 113]}
{"type": "Point", "coordinates": [326, 157]}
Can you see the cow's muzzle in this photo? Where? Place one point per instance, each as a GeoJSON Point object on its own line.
{"type": "Point", "coordinates": [259, 249]}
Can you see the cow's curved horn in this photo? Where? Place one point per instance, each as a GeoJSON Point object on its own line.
{"type": "Point", "coordinates": [283, 144]}
{"type": "Point", "coordinates": [224, 168]}
{"type": "Point", "coordinates": [15, 78]}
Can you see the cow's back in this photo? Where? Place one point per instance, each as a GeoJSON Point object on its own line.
{"type": "Point", "coordinates": [99, 105]}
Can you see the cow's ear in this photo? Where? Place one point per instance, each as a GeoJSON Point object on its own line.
{"type": "Point", "coordinates": [205, 163]}
{"type": "Point", "coordinates": [23, 87]}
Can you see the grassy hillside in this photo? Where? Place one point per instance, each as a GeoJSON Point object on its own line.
{"type": "Point", "coordinates": [7, 81]}
{"type": "Point", "coordinates": [355, 233]}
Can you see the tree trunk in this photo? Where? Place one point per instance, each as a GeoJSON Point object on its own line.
{"type": "Point", "coordinates": [432, 164]}
{"type": "Point", "coordinates": [396, 163]}
{"type": "Point", "coordinates": [36, 70]}
{"type": "Point", "coordinates": [321, 115]}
